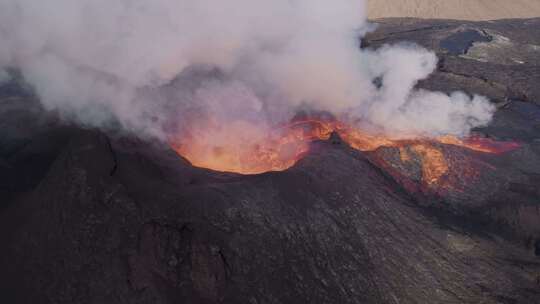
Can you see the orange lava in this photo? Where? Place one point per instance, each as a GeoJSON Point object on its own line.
{"type": "Point", "coordinates": [480, 144]}
{"type": "Point", "coordinates": [433, 162]}
{"type": "Point", "coordinates": [287, 144]}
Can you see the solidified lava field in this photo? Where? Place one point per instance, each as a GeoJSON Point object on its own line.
{"type": "Point", "coordinates": [94, 217]}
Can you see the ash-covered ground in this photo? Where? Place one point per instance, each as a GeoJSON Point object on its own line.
{"type": "Point", "coordinates": [90, 217]}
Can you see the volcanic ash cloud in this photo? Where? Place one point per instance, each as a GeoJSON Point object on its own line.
{"type": "Point", "coordinates": [157, 66]}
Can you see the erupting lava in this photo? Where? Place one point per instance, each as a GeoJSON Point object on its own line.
{"type": "Point", "coordinates": [287, 145]}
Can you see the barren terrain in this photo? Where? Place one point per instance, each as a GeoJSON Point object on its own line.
{"type": "Point", "coordinates": [454, 9]}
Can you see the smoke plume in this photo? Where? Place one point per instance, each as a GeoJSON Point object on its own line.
{"type": "Point", "coordinates": [167, 67]}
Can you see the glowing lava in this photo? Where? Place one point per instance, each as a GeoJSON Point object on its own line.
{"type": "Point", "coordinates": [285, 145]}
{"type": "Point", "coordinates": [433, 161]}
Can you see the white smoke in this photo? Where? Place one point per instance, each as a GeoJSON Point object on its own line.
{"type": "Point", "coordinates": [103, 60]}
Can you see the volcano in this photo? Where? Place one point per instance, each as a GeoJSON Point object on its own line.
{"type": "Point", "coordinates": [320, 213]}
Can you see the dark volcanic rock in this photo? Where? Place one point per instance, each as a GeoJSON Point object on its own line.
{"type": "Point", "coordinates": [497, 59]}
{"type": "Point", "coordinates": [460, 42]}
{"type": "Point", "coordinates": [89, 217]}
{"type": "Point", "coordinates": [334, 229]}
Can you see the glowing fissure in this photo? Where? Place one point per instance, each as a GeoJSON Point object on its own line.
{"type": "Point", "coordinates": [287, 144]}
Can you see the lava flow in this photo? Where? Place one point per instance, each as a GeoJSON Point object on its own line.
{"type": "Point", "coordinates": [287, 144]}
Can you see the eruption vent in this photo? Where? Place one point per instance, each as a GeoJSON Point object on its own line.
{"type": "Point", "coordinates": [288, 143]}
{"type": "Point", "coordinates": [215, 78]}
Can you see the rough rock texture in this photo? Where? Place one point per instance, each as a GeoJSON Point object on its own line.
{"type": "Point", "coordinates": [88, 217]}
{"type": "Point", "coordinates": [500, 60]}
{"type": "Point", "coordinates": [506, 66]}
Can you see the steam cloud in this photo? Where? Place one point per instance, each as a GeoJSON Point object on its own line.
{"type": "Point", "coordinates": [158, 67]}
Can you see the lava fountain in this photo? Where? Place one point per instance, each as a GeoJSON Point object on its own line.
{"type": "Point", "coordinates": [286, 144]}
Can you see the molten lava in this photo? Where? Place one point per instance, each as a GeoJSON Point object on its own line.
{"type": "Point", "coordinates": [433, 161]}
{"type": "Point", "coordinates": [287, 144]}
